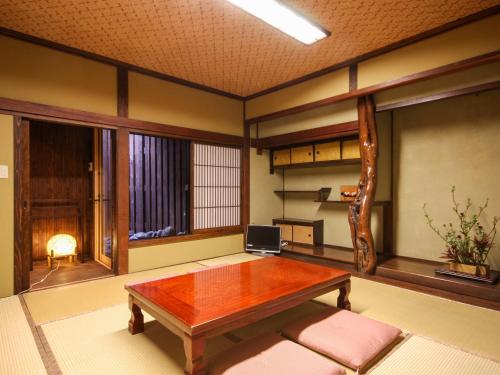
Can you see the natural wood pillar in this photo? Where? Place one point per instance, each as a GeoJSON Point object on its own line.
{"type": "Point", "coordinates": [365, 257]}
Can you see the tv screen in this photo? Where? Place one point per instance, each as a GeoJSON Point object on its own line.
{"type": "Point", "coordinates": [263, 238]}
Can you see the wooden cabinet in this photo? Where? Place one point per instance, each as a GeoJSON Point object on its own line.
{"type": "Point", "coordinates": [286, 232]}
{"type": "Point", "coordinates": [281, 157]}
{"type": "Point", "coordinates": [327, 151]}
{"type": "Point", "coordinates": [307, 232]}
{"type": "Point", "coordinates": [302, 154]}
{"type": "Point", "coordinates": [350, 149]}
{"type": "Point", "coordinates": [302, 234]}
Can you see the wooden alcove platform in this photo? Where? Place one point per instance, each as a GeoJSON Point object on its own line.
{"type": "Point", "coordinates": [409, 273]}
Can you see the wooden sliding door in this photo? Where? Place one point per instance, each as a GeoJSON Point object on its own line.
{"type": "Point", "coordinates": [104, 197]}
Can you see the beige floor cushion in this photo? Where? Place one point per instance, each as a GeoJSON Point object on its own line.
{"type": "Point", "coordinates": [271, 354]}
{"type": "Point", "coordinates": [349, 338]}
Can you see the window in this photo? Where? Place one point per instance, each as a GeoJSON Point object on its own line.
{"type": "Point", "coordinates": [216, 191]}
{"type": "Point", "coordinates": [159, 187]}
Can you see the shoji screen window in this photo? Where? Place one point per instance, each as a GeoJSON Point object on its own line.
{"type": "Point", "coordinates": [217, 186]}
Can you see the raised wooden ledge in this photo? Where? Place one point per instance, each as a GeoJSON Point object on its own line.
{"type": "Point", "coordinates": [50, 112]}
{"type": "Point", "coordinates": [427, 74]}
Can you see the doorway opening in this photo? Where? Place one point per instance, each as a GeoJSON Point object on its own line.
{"type": "Point", "coordinates": [70, 190]}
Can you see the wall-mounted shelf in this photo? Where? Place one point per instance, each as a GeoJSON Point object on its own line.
{"type": "Point", "coordinates": [321, 194]}
{"type": "Point", "coordinates": [331, 163]}
{"type": "Point", "coordinates": [343, 151]}
{"type": "Point", "coordinates": [376, 203]}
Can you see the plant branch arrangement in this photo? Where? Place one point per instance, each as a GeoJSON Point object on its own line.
{"type": "Point", "coordinates": [469, 243]}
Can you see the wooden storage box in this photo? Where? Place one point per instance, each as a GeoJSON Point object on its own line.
{"type": "Point", "coordinates": [327, 151]}
{"type": "Point", "coordinates": [307, 232]}
{"type": "Point", "coordinates": [281, 157]}
{"type": "Point", "coordinates": [350, 149]}
{"type": "Point", "coordinates": [302, 154]}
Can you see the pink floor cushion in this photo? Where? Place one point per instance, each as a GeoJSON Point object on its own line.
{"type": "Point", "coordinates": [349, 338]}
{"type": "Point", "coordinates": [271, 354]}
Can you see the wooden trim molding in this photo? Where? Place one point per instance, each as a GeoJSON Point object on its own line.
{"type": "Point", "coordinates": [245, 176]}
{"type": "Point", "coordinates": [309, 135]}
{"type": "Point", "coordinates": [444, 95]}
{"type": "Point", "coordinates": [29, 109]}
{"type": "Point", "coordinates": [217, 232]}
{"type": "Point", "coordinates": [122, 92]}
{"type": "Point", "coordinates": [402, 43]}
{"type": "Point", "coordinates": [117, 63]}
{"type": "Point", "coordinates": [420, 76]}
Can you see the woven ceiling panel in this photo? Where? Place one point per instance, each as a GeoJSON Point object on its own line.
{"type": "Point", "coordinates": [213, 43]}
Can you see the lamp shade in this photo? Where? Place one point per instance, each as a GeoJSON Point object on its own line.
{"type": "Point", "coordinates": [61, 245]}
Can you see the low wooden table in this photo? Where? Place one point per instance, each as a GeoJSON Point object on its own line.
{"type": "Point", "coordinates": [211, 302]}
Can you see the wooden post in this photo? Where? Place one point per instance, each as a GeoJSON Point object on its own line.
{"type": "Point", "coordinates": [365, 257]}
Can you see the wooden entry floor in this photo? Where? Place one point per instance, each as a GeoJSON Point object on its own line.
{"type": "Point", "coordinates": [67, 273]}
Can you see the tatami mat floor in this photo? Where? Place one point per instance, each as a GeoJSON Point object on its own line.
{"type": "Point", "coordinates": [85, 327]}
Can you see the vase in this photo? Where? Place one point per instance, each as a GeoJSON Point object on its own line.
{"type": "Point", "coordinates": [478, 270]}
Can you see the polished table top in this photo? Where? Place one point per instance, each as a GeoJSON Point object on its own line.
{"type": "Point", "coordinates": [202, 297]}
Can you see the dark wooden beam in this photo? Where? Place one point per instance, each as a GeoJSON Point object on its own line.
{"type": "Point", "coordinates": [353, 77]}
{"type": "Point", "coordinates": [117, 63]}
{"type": "Point", "coordinates": [122, 92]}
{"type": "Point", "coordinates": [22, 205]}
{"type": "Point", "coordinates": [360, 211]}
{"type": "Point", "coordinates": [444, 95]}
{"type": "Point", "coordinates": [309, 135]}
{"type": "Point", "coordinates": [48, 112]}
{"type": "Point", "coordinates": [122, 199]}
{"type": "Point", "coordinates": [391, 47]}
{"type": "Point", "coordinates": [416, 77]}
{"type": "Point", "coordinates": [245, 186]}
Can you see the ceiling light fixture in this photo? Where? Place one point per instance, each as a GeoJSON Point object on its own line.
{"type": "Point", "coordinates": [285, 19]}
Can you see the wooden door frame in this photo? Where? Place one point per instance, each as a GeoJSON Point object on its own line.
{"type": "Point", "coordinates": [22, 208]}
{"type": "Point", "coordinates": [22, 205]}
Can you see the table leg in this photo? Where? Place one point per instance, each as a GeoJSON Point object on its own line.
{"type": "Point", "coordinates": [194, 349]}
{"type": "Point", "coordinates": [136, 322]}
{"type": "Point", "coordinates": [343, 299]}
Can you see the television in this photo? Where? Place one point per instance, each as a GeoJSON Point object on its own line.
{"type": "Point", "coordinates": [263, 239]}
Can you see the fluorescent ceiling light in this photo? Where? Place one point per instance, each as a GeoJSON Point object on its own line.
{"type": "Point", "coordinates": [283, 18]}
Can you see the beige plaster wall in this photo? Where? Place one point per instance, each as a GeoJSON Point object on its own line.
{"type": "Point", "coordinates": [437, 145]}
{"type": "Point", "coordinates": [43, 75]}
{"type": "Point", "coordinates": [328, 115]}
{"type": "Point", "coordinates": [157, 256]}
{"type": "Point", "coordinates": [264, 204]}
{"type": "Point", "coordinates": [156, 100]}
{"type": "Point", "coordinates": [331, 84]}
{"type": "Point", "coordinates": [466, 78]}
{"type": "Point", "coordinates": [7, 204]}
{"type": "Point", "coordinates": [458, 44]}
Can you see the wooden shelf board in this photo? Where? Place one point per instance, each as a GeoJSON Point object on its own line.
{"type": "Point", "coordinates": [376, 203]}
{"type": "Point", "coordinates": [330, 163]}
{"type": "Point", "coordinates": [296, 191]}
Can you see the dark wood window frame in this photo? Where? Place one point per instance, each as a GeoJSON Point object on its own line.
{"type": "Point", "coordinates": [199, 233]}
